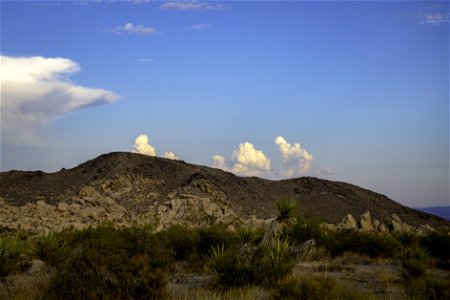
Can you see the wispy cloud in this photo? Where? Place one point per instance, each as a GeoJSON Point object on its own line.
{"type": "Point", "coordinates": [36, 91]}
{"type": "Point", "coordinates": [130, 28]}
{"type": "Point", "coordinates": [144, 60]}
{"type": "Point", "coordinates": [196, 27]}
{"type": "Point", "coordinates": [191, 5]}
{"type": "Point", "coordinates": [434, 19]}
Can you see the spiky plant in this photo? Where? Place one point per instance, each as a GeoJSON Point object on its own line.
{"type": "Point", "coordinates": [11, 256]}
{"type": "Point", "coordinates": [216, 258]}
{"type": "Point", "coordinates": [287, 210]}
{"type": "Point", "coordinates": [407, 241]}
{"type": "Point", "coordinates": [51, 249]}
{"type": "Point", "coordinates": [278, 260]}
{"type": "Point", "coordinates": [247, 235]}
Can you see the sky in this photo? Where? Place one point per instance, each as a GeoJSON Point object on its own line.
{"type": "Point", "coordinates": [353, 91]}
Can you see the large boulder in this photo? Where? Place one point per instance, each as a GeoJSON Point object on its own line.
{"type": "Point", "coordinates": [349, 222]}
{"type": "Point", "coordinates": [366, 222]}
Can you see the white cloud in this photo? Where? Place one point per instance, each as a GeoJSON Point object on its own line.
{"type": "Point", "coordinates": [191, 5]}
{"type": "Point", "coordinates": [295, 159]}
{"type": "Point", "coordinates": [170, 155]}
{"type": "Point", "coordinates": [142, 146]}
{"type": "Point", "coordinates": [219, 162]}
{"type": "Point", "coordinates": [246, 161]}
{"type": "Point", "coordinates": [36, 90]}
{"type": "Point", "coordinates": [326, 171]}
{"type": "Point", "coordinates": [130, 28]}
{"type": "Point", "coordinates": [196, 27]}
{"type": "Point", "coordinates": [434, 19]}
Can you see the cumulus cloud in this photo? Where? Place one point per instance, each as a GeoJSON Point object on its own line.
{"type": "Point", "coordinates": [170, 155]}
{"type": "Point", "coordinates": [130, 28]}
{"type": "Point", "coordinates": [36, 90]}
{"type": "Point", "coordinates": [142, 146]}
{"type": "Point", "coordinates": [191, 5]}
{"type": "Point", "coordinates": [246, 161]}
{"type": "Point", "coordinates": [295, 159]}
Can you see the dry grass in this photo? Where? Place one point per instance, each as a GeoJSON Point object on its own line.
{"type": "Point", "coordinates": [244, 293]}
{"type": "Point", "coordinates": [21, 287]}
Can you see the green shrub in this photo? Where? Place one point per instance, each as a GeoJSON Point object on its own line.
{"type": "Point", "coordinates": [12, 257]}
{"type": "Point", "coordinates": [278, 261]}
{"type": "Point", "coordinates": [51, 249]}
{"type": "Point", "coordinates": [316, 288]}
{"type": "Point", "coordinates": [438, 289]}
{"type": "Point", "coordinates": [438, 245]}
{"type": "Point", "coordinates": [306, 228]}
{"type": "Point", "coordinates": [181, 240]}
{"type": "Point", "coordinates": [371, 244]}
{"type": "Point", "coordinates": [109, 262]}
{"type": "Point", "coordinates": [215, 235]}
{"type": "Point", "coordinates": [287, 210]}
{"type": "Point", "coordinates": [413, 268]}
{"type": "Point", "coordinates": [232, 269]}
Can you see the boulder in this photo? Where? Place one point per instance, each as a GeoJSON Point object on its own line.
{"type": "Point", "coordinates": [366, 222]}
{"type": "Point", "coordinates": [63, 207]}
{"type": "Point", "coordinates": [349, 222]}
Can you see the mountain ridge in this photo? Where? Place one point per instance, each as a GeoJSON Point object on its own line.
{"type": "Point", "coordinates": [329, 200]}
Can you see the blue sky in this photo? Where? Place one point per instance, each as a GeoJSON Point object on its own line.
{"type": "Point", "coordinates": [348, 91]}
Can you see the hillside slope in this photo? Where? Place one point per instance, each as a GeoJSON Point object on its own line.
{"type": "Point", "coordinates": [137, 182]}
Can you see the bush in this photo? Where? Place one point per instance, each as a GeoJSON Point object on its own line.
{"type": "Point", "coordinates": [371, 244]}
{"type": "Point", "coordinates": [181, 240]}
{"type": "Point", "coordinates": [413, 268]}
{"type": "Point", "coordinates": [320, 288]}
{"type": "Point", "coordinates": [287, 210]}
{"type": "Point", "coordinates": [213, 236]}
{"type": "Point", "coordinates": [110, 262]}
{"type": "Point", "coordinates": [51, 249]}
{"type": "Point", "coordinates": [307, 227]}
{"type": "Point", "coordinates": [438, 244]}
{"type": "Point", "coordinates": [12, 257]}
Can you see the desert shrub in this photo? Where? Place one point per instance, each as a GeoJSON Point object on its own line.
{"type": "Point", "coordinates": [413, 268]}
{"type": "Point", "coordinates": [278, 261]}
{"type": "Point", "coordinates": [232, 269]}
{"type": "Point", "coordinates": [108, 262]}
{"type": "Point", "coordinates": [249, 235]}
{"type": "Point", "coordinates": [287, 210]}
{"type": "Point", "coordinates": [371, 244]}
{"type": "Point", "coordinates": [215, 235]}
{"type": "Point", "coordinates": [316, 287]}
{"type": "Point", "coordinates": [181, 240]}
{"type": "Point", "coordinates": [12, 257]}
{"type": "Point", "coordinates": [438, 289]}
{"type": "Point", "coordinates": [307, 227]}
{"type": "Point", "coordinates": [438, 245]}
{"type": "Point", "coordinates": [51, 249]}
{"type": "Point", "coordinates": [408, 241]}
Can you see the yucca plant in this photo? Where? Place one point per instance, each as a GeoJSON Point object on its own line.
{"type": "Point", "coordinates": [278, 260]}
{"type": "Point", "coordinates": [51, 249]}
{"type": "Point", "coordinates": [216, 259]}
{"type": "Point", "coordinates": [11, 256]}
{"type": "Point", "coordinates": [407, 241]}
{"type": "Point", "coordinates": [287, 210]}
{"type": "Point", "coordinates": [247, 235]}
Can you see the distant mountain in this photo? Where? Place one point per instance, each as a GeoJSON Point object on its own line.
{"type": "Point", "coordinates": [441, 211]}
{"type": "Point", "coordinates": [147, 187]}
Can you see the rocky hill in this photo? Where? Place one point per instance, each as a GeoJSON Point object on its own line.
{"type": "Point", "coordinates": [126, 187]}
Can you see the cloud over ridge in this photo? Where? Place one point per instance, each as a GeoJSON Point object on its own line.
{"type": "Point", "coordinates": [37, 90]}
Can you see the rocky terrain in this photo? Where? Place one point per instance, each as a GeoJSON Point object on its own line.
{"type": "Point", "coordinates": [127, 188]}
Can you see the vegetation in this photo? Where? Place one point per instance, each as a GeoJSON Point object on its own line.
{"type": "Point", "coordinates": [135, 262]}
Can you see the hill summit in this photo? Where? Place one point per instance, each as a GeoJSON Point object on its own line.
{"type": "Point", "coordinates": [126, 187]}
